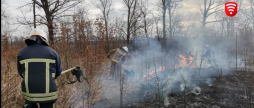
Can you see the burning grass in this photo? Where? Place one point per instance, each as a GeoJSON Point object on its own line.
{"type": "Point", "coordinates": [182, 63]}
{"type": "Point", "coordinates": [231, 91]}
{"type": "Point", "coordinates": [156, 83]}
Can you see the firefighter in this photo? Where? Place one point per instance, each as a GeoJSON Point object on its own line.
{"type": "Point", "coordinates": [117, 57]}
{"type": "Point", "coordinates": [39, 66]}
{"type": "Point", "coordinates": [210, 55]}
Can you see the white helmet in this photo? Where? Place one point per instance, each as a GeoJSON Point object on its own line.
{"type": "Point", "coordinates": [40, 33]}
{"type": "Point", "coordinates": [125, 48]}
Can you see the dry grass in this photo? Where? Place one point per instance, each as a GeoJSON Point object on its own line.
{"type": "Point", "coordinates": [90, 56]}
{"type": "Point", "coordinates": [91, 59]}
{"type": "Point", "coordinates": [11, 96]}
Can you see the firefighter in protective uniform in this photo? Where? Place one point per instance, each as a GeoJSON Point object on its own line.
{"type": "Point", "coordinates": [210, 55]}
{"type": "Point", "coordinates": [117, 57]}
{"type": "Point", "coordinates": [39, 66]}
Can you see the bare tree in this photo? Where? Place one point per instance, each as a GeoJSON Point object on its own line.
{"type": "Point", "coordinates": [164, 8]}
{"type": "Point", "coordinates": [224, 20]}
{"type": "Point", "coordinates": [177, 26]}
{"type": "Point", "coordinates": [230, 20]}
{"type": "Point", "coordinates": [145, 12]}
{"type": "Point", "coordinates": [3, 16]}
{"type": "Point", "coordinates": [250, 14]}
{"type": "Point", "coordinates": [170, 17]}
{"type": "Point", "coordinates": [6, 22]}
{"type": "Point", "coordinates": [156, 20]}
{"type": "Point", "coordinates": [53, 10]}
{"type": "Point", "coordinates": [3, 11]}
{"type": "Point", "coordinates": [209, 7]}
{"type": "Point", "coordinates": [118, 29]}
{"type": "Point", "coordinates": [105, 8]}
{"type": "Point", "coordinates": [252, 11]}
{"type": "Point", "coordinates": [81, 27]}
{"type": "Point", "coordinates": [5, 19]}
{"type": "Point", "coordinates": [171, 9]}
{"type": "Point", "coordinates": [132, 18]}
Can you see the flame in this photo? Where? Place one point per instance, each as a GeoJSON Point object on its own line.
{"type": "Point", "coordinates": [184, 62]}
{"type": "Point", "coordinates": [152, 74]}
{"type": "Point", "coordinates": [191, 62]}
{"type": "Point", "coordinates": [190, 58]}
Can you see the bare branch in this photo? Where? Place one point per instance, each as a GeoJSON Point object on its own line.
{"type": "Point", "coordinates": [213, 21]}
{"type": "Point", "coordinates": [122, 30]}
{"type": "Point", "coordinates": [214, 12]}
{"type": "Point", "coordinates": [25, 5]}
{"type": "Point", "coordinates": [53, 10]}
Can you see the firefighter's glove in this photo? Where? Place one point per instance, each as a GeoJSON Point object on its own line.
{"type": "Point", "coordinates": [78, 73]}
{"type": "Point", "coordinates": [108, 56]}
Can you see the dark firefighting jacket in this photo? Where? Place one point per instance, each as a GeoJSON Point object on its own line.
{"type": "Point", "coordinates": [118, 55]}
{"type": "Point", "coordinates": [39, 66]}
{"type": "Point", "coordinates": [209, 53]}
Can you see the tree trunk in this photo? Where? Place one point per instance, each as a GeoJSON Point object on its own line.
{"type": "Point", "coordinates": [252, 12]}
{"type": "Point", "coordinates": [203, 26]}
{"type": "Point", "coordinates": [51, 33]}
{"type": "Point", "coordinates": [227, 21]}
{"type": "Point", "coordinates": [128, 27]}
{"type": "Point", "coordinates": [49, 17]}
{"type": "Point", "coordinates": [145, 25]}
{"type": "Point", "coordinates": [164, 25]}
{"type": "Point", "coordinates": [170, 18]}
{"type": "Point", "coordinates": [228, 26]}
{"type": "Point", "coordinates": [204, 19]}
{"type": "Point", "coordinates": [106, 27]}
{"type": "Point", "coordinates": [34, 14]}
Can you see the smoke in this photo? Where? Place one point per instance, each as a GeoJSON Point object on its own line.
{"type": "Point", "coordinates": [149, 57]}
{"type": "Point", "coordinates": [196, 90]}
{"type": "Point", "coordinates": [209, 82]}
{"type": "Point", "coordinates": [111, 92]}
{"type": "Point", "coordinates": [166, 102]}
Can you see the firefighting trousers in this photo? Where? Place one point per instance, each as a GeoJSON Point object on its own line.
{"type": "Point", "coordinates": [42, 105]}
{"type": "Point", "coordinates": [115, 69]}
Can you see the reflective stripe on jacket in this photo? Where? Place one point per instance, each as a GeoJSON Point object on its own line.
{"type": "Point", "coordinates": [39, 66]}
{"type": "Point", "coordinates": [118, 55]}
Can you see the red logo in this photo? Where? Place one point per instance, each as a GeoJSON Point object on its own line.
{"type": "Point", "coordinates": [230, 9]}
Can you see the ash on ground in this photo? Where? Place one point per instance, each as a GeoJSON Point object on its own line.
{"type": "Point", "coordinates": [230, 91]}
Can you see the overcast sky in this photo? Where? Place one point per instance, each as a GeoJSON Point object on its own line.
{"type": "Point", "coordinates": [118, 6]}
{"type": "Point", "coordinates": [187, 7]}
